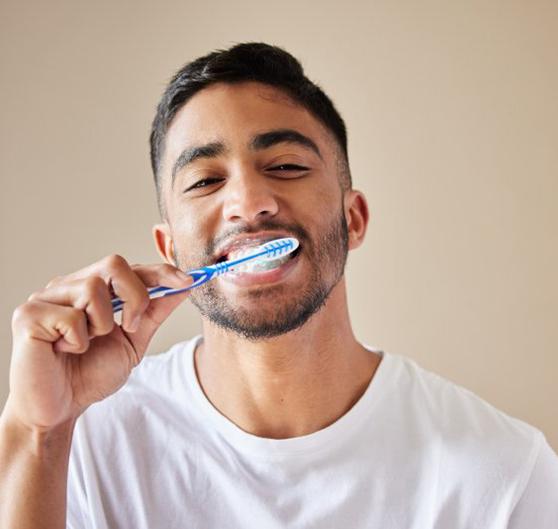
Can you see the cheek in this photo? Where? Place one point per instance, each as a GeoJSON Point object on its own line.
{"type": "Point", "coordinates": [320, 205]}
{"type": "Point", "coordinates": [327, 196]}
{"type": "Point", "coordinates": [189, 241]}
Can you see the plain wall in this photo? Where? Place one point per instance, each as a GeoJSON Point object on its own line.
{"type": "Point", "coordinates": [452, 116]}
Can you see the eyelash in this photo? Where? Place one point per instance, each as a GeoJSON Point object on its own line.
{"type": "Point", "coordinates": [292, 167]}
{"type": "Point", "coordinates": [198, 186]}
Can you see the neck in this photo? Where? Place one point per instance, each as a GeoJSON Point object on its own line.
{"type": "Point", "coordinates": [291, 385]}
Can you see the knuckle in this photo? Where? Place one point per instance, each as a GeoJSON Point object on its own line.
{"type": "Point", "coordinates": [54, 281]}
{"type": "Point", "coordinates": [93, 286]}
{"type": "Point", "coordinates": [114, 262]}
{"type": "Point", "coordinates": [35, 296]}
{"type": "Point", "coordinates": [21, 313]}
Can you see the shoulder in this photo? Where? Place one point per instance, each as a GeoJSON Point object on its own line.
{"type": "Point", "coordinates": [469, 430]}
{"type": "Point", "coordinates": [476, 454]}
{"type": "Point", "coordinates": [455, 411]}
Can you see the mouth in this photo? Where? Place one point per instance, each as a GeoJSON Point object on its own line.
{"type": "Point", "coordinates": [241, 248]}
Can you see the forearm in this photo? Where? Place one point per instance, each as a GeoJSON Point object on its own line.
{"type": "Point", "coordinates": [33, 475]}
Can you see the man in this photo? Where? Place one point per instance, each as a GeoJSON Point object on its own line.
{"type": "Point", "coordinates": [276, 416]}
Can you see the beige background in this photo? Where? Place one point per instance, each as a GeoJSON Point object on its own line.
{"type": "Point", "coordinates": [452, 113]}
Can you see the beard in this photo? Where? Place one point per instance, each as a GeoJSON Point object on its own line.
{"type": "Point", "coordinates": [269, 315]}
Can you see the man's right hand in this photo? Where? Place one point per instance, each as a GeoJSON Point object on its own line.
{"type": "Point", "coordinates": [68, 352]}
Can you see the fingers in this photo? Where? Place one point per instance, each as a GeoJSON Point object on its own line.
{"type": "Point", "coordinates": [73, 314]}
{"type": "Point", "coordinates": [130, 289]}
{"type": "Point", "coordinates": [118, 276]}
{"type": "Point", "coordinates": [157, 312]}
{"type": "Point", "coordinates": [66, 327]}
{"type": "Point", "coordinates": [90, 295]}
{"type": "Point", "coordinates": [91, 289]}
{"type": "Point", "coordinates": [162, 274]}
{"type": "Point", "coordinates": [159, 309]}
{"type": "Point", "coordinates": [153, 275]}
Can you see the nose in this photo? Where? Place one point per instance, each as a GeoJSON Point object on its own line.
{"type": "Point", "coordinates": [248, 198]}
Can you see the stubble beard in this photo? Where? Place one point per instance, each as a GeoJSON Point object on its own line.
{"type": "Point", "coordinates": [272, 313]}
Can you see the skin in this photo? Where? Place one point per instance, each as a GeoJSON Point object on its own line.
{"type": "Point", "coordinates": [299, 382]}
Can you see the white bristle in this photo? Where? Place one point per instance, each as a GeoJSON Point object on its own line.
{"type": "Point", "coordinates": [268, 262]}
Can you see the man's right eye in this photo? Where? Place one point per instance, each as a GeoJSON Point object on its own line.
{"type": "Point", "coordinates": [203, 183]}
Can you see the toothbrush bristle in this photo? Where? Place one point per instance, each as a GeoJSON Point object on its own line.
{"type": "Point", "coordinates": [276, 251]}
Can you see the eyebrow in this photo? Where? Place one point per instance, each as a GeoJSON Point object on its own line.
{"type": "Point", "coordinates": [259, 142]}
{"type": "Point", "coordinates": [191, 154]}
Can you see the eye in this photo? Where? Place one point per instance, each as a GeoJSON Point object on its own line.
{"type": "Point", "coordinates": [204, 183]}
{"type": "Point", "coordinates": [288, 167]}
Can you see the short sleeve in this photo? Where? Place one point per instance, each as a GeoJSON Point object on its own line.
{"type": "Point", "coordinates": [538, 505]}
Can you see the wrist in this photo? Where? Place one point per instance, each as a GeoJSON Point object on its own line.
{"type": "Point", "coordinates": [38, 440]}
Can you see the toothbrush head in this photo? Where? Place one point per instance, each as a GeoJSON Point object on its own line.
{"type": "Point", "coordinates": [273, 253]}
{"type": "Point", "coordinates": [277, 248]}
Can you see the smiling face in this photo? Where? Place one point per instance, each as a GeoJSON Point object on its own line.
{"type": "Point", "coordinates": [244, 164]}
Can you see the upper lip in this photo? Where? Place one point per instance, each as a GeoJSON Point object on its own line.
{"type": "Point", "coordinates": [247, 239]}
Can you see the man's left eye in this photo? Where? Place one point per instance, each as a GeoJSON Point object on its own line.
{"type": "Point", "coordinates": [288, 167]}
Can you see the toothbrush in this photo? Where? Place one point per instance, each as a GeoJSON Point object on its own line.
{"type": "Point", "coordinates": [266, 252]}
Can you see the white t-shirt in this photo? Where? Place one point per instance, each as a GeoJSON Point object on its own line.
{"type": "Point", "coordinates": [416, 451]}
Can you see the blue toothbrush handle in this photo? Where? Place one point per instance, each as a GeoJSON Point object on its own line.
{"type": "Point", "coordinates": [200, 276]}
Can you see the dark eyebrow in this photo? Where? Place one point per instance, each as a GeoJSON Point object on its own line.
{"type": "Point", "coordinates": [258, 142]}
{"type": "Point", "coordinates": [273, 137]}
{"type": "Point", "coordinates": [190, 154]}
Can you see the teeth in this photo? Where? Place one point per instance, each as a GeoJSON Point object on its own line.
{"type": "Point", "coordinates": [260, 266]}
{"type": "Point", "coordinates": [237, 254]}
{"type": "Point", "coordinates": [256, 265]}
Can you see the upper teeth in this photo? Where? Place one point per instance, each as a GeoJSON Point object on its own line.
{"type": "Point", "coordinates": [261, 265]}
{"type": "Point", "coordinates": [241, 252]}
{"type": "Point", "coordinates": [255, 265]}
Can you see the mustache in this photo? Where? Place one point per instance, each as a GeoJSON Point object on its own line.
{"type": "Point", "coordinates": [294, 230]}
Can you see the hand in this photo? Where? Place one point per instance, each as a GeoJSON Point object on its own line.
{"type": "Point", "coordinates": [68, 352]}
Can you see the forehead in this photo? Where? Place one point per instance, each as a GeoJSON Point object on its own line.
{"type": "Point", "coordinates": [234, 113]}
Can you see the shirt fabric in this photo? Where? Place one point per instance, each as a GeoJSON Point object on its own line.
{"type": "Point", "coordinates": [415, 452]}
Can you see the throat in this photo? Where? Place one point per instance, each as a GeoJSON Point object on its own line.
{"type": "Point", "coordinates": [283, 401]}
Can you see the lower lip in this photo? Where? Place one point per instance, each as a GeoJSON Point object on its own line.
{"type": "Point", "coordinates": [261, 278]}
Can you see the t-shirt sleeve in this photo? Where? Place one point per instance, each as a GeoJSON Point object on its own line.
{"type": "Point", "coordinates": [538, 505]}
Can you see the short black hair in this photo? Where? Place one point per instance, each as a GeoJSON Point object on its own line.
{"type": "Point", "coordinates": [248, 61]}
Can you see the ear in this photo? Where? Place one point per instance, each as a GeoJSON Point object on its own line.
{"type": "Point", "coordinates": [357, 216]}
{"type": "Point", "coordinates": [163, 242]}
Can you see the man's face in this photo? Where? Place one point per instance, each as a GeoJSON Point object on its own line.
{"type": "Point", "coordinates": [231, 181]}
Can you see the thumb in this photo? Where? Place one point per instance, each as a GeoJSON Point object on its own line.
{"type": "Point", "coordinates": [156, 313]}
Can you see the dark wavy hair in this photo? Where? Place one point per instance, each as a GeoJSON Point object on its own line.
{"type": "Point", "coordinates": [249, 61]}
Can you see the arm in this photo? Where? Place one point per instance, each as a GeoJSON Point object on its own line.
{"type": "Point", "coordinates": [68, 353]}
{"type": "Point", "coordinates": [34, 469]}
